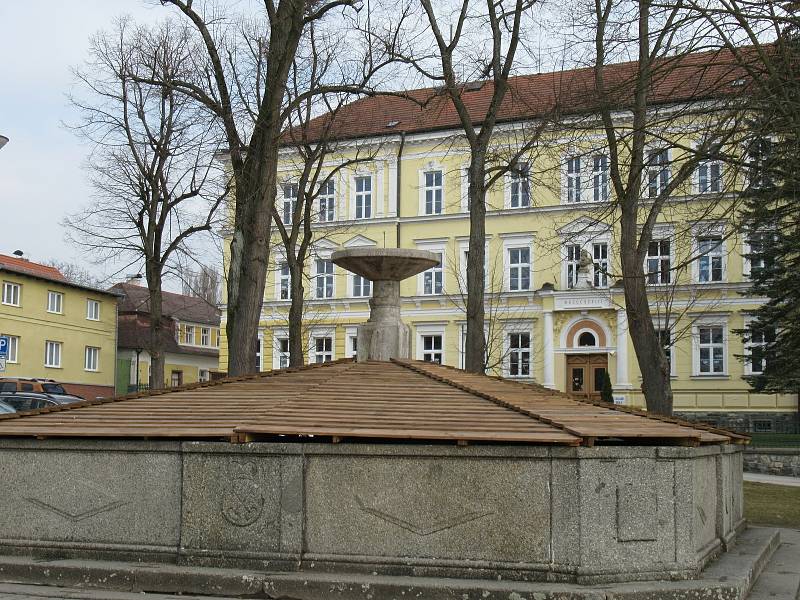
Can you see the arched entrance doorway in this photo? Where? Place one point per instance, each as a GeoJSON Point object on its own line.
{"type": "Point", "coordinates": [587, 366]}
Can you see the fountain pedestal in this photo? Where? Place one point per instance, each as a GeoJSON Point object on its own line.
{"type": "Point", "coordinates": [384, 336]}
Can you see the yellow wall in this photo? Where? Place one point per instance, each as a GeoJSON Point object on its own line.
{"type": "Point", "coordinates": [34, 326]}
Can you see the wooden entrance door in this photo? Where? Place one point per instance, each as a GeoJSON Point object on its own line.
{"type": "Point", "coordinates": [585, 374]}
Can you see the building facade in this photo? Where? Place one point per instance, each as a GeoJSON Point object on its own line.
{"type": "Point", "coordinates": [551, 210]}
{"type": "Point", "coordinates": [190, 338]}
{"type": "Point", "coordinates": [57, 329]}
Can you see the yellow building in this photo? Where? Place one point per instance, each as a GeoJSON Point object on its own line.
{"type": "Point", "coordinates": [190, 338]}
{"type": "Point", "coordinates": [57, 329]}
{"type": "Point", "coordinates": [540, 324]}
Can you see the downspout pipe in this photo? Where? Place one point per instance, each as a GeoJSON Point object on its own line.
{"type": "Point", "coordinates": [397, 183]}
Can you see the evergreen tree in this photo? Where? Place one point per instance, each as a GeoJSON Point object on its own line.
{"type": "Point", "coordinates": [606, 392]}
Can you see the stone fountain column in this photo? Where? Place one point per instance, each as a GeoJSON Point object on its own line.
{"type": "Point", "coordinates": [384, 336]}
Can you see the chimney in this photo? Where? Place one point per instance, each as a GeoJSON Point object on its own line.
{"type": "Point", "coordinates": [135, 279]}
{"type": "Point", "coordinates": [384, 336]}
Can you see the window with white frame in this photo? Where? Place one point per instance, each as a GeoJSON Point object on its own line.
{"type": "Point", "coordinates": [710, 266]}
{"type": "Point", "coordinates": [352, 345]}
{"type": "Point", "coordinates": [519, 269]}
{"type": "Point", "coordinates": [759, 153]}
{"type": "Point", "coordinates": [259, 351]}
{"type": "Point", "coordinates": [573, 256]}
{"type": "Point", "coordinates": [11, 293]}
{"type": "Point", "coordinates": [432, 279]}
{"type": "Point", "coordinates": [203, 375]}
{"type": "Point", "coordinates": [282, 348]}
{"type": "Point", "coordinates": [659, 262]}
{"type": "Point", "coordinates": [52, 354]}
{"type": "Point", "coordinates": [432, 348]}
{"type": "Point", "coordinates": [709, 172]}
{"type": "Point", "coordinates": [600, 259]}
{"type": "Point", "coordinates": [323, 349]}
{"type": "Point", "coordinates": [55, 302]}
{"type": "Point", "coordinates": [433, 192]}
{"type": "Point", "coordinates": [13, 348]}
{"type": "Point", "coordinates": [92, 310]}
{"type": "Point", "coordinates": [600, 178]}
{"type": "Point", "coordinates": [756, 341]}
{"type": "Point", "coordinates": [216, 339]}
{"type": "Point", "coordinates": [324, 278]}
{"type": "Point", "coordinates": [519, 354]}
{"type": "Point", "coordinates": [289, 202]}
{"type": "Point", "coordinates": [520, 185]}
{"type": "Point", "coordinates": [205, 336]}
{"type": "Point", "coordinates": [362, 287]}
{"type": "Point", "coordinates": [756, 251]}
{"type": "Point", "coordinates": [284, 282]}
{"type": "Point", "coordinates": [573, 179]}
{"type": "Point", "coordinates": [188, 334]}
{"type": "Point", "coordinates": [327, 201]}
{"type": "Point", "coordinates": [710, 350]}
{"type": "Point", "coordinates": [658, 171]}
{"type": "Point", "coordinates": [363, 196]}
{"type": "Point", "coordinates": [91, 359]}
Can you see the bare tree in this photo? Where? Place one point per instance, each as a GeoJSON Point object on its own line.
{"type": "Point", "coordinates": [202, 283]}
{"type": "Point", "coordinates": [152, 166]}
{"type": "Point", "coordinates": [75, 273]}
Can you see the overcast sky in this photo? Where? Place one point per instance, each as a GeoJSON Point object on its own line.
{"type": "Point", "coordinates": [41, 178]}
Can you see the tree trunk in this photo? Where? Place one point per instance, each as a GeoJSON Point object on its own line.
{"type": "Point", "coordinates": [650, 355]}
{"type": "Point", "coordinates": [296, 357]}
{"type": "Point", "coordinates": [475, 351]}
{"type": "Point", "coordinates": [156, 348]}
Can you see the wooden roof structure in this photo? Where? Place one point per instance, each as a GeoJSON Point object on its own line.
{"type": "Point", "coordinates": [397, 400]}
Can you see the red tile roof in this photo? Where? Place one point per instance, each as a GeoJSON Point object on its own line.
{"type": "Point", "coordinates": [688, 77]}
{"type": "Point", "coordinates": [136, 299]}
{"type": "Point", "coordinates": [26, 267]}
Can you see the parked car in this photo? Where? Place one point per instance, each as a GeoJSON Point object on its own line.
{"type": "Point", "coordinates": [6, 408]}
{"type": "Point", "coordinates": [24, 401]}
{"type": "Point", "coordinates": [25, 384]}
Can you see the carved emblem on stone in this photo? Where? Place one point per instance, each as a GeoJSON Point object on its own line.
{"type": "Point", "coordinates": [242, 500]}
{"type": "Point", "coordinates": [77, 500]}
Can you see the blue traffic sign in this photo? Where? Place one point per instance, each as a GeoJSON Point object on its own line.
{"type": "Point", "coordinates": [4, 343]}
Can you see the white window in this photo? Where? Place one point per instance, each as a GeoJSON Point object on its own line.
{"type": "Point", "coordinates": [11, 293]}
{"type": "Point", "coordinates": [755, 343]}
{"type": "Point", "coordinates": [259, 351]}
{"type": "Point", "coordinates": [52, 354]}
{"type": "Point", "coordinates": [600, 258]}
{"type": "Point", "coordinates": [519, 354]}
{"type": "Point", "coordinates": [710, 343]}
{"type": "Point", "coordinates": [92, 310]}
{"type": "Point", "coordinates": [573, 263]}
{"type": "Point", "coordinates": [203, 375]}
{"type": "Point", "coordinates": [352, 345]}
{"type": "Point", "coordinates": [362, 287]}
{"type": "Point", "coordinates": [520, 185]}
{"type": "Point", "coordinates": [327, 201]}
{"type": "Point", "coordinates": [323, 349]}
{"type": "Point", "coordinates": [363, 197]}
{"type": "Point", "coordinates": [216, 340]}
{"type": "Point", "coordinates": [658, 171]}
{"type": "Point", "coordinates": [432, 348]}
{"type": "Point", "coordinates": [659, 262]}
{"type": "Point", "coordinates": [709, 172]}
{"type": "Point", "coordinates": [55, 302]}
{"type": "Point", "coordinates": [13, 348]}
{"type": "Point", "coordinates": [574, 191]}
{"type": "Point", "coordinates": [324, 278]}
{"type": "Point", "coordinates": [433, 192]}
{"type": "Point", "coordinates": [519, 269]}
{"type": "Point", "coordinates": [284, 282]}
{"type": "Point", "coordinates": [600, 178]}
{"type": "Point", "coordinates": [188, 335]}
{"type": "Point", "coordinates": [710, 266]}
{"type": "Point", "coordinates": [759, 152]}
{"type": "Point", "coordinates": [756, 253]}
{"type": "Point", "coordinates": [433, 277]}
{"type": "Point", "coordinates": [289, 202]}
{"type": "Point", "coordinates": [282, 348]}
{"type": "Point", "coordinates": [91, 359]}
{"type": "Point", "coordinates": [205, 336]}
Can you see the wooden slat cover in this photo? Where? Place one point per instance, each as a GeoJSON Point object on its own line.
{"type": "Point", "coordinates": [377, 400]}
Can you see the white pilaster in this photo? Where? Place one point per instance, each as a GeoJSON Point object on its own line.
{"type": "Point", "coordinates": [622, 350]}
{"type": "Point", "coordinates": [392, 187]}
{"type": "Point", "coordinates": [549, 355]}
{"type": "Point", "coordinates": [380, 192]}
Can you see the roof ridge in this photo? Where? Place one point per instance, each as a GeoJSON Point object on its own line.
{"type": "Point", "coordinates": [413, 366]}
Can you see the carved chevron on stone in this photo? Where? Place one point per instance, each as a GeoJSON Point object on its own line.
{"type": "Point", "coordinates": [78, 502]}
{"type": "Point", "coordinates": [425, 526]}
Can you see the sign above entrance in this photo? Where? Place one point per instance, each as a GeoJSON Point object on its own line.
{"type": "Point", "coordinates": [582, 301]}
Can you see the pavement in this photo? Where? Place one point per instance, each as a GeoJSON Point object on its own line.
{"type": "Point", "coordinates": [11, 591]}
{"type": "Point", "coordinates": [773, 479]}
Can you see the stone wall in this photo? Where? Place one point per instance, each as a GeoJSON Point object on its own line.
{"type": "Point", "coordinates": [774, 461]}
{"type": "Point", "coordinates": [766, 422]}
{"type": "Point", "coordinates": [587, 515]}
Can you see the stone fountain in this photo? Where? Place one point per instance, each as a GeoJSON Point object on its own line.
{"type": "Point", "coordinates": [384, 336]}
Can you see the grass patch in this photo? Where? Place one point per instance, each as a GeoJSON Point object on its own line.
{"type": "Point", "coordinates": [775, 440]}
{"type": "Point", "coordinates": [767, 504]}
